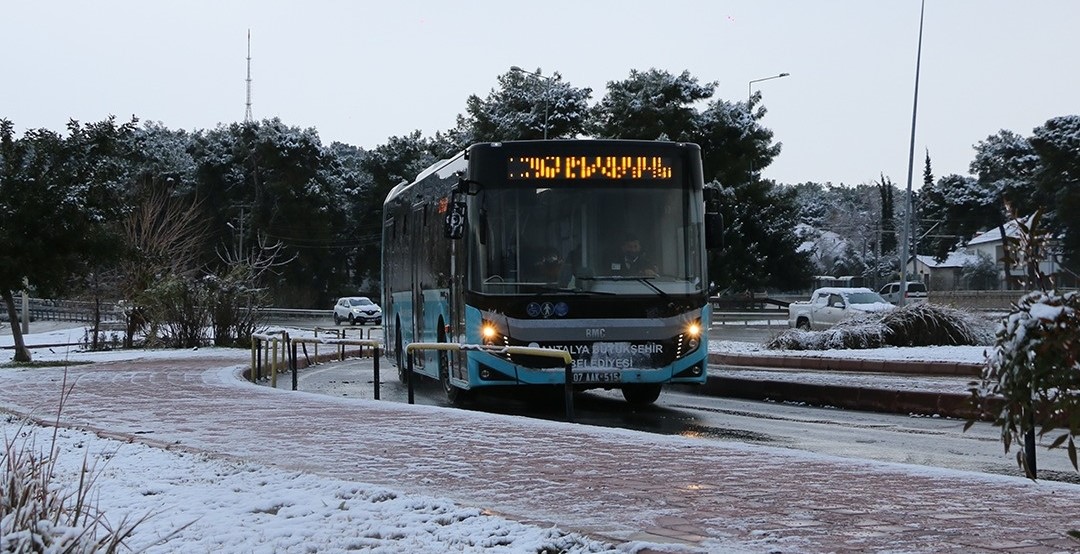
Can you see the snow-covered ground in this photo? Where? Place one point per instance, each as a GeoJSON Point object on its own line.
{"type": "Point", "coordinates": [225, 505]}
{"type": "Point", "coordinates": [230, 506]}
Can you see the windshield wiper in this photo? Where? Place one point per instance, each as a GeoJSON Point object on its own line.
{"type": "Point", "coordinates": [643, 280]}
{"type": "Point", "coordinates": [545, 290]}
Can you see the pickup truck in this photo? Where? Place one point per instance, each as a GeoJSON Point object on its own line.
{"type": "Point", "coordinates": [828, 306]}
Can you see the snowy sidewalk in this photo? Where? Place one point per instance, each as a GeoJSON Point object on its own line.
{"type": "Point", "coordinates": [613, 485]}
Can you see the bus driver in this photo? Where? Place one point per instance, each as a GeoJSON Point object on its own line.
{"type": "Point", "coordinates": [631, 260]}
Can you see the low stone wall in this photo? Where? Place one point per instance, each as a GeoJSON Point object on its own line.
{"type": "Point", "coordinates": [988, 300]}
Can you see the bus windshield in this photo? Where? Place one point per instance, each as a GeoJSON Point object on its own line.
{"type": "Point", "coordinates": [586, 238]}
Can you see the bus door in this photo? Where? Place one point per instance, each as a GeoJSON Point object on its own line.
{"type": "Point", "coordinates": [417, 266]}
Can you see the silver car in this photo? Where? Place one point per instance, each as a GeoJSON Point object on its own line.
{"type": "Point", "coordinates": [915, 292]}
{"type": "Point", "coordinates": [357, 309]}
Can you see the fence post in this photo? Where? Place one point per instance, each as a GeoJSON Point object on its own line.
{"type": "Point", "coordinates": [408, 374]}
{"type": "Point", "coordinates": [258, 362]}
{"type": "Point", "coordinates": [375, 353]}
{"type": "Point", "coordinates": [273, 366]}
{"type": "Point", "coordinates": [292, 366]}
{"type": "Point", "coordinates": [568, 387]}
{"type": "Point", "coordinates": [254, 349]}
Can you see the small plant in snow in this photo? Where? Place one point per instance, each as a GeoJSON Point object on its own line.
{"type": "Point", "coordinates": [40, 513]}
{"type": "Point", "coordinates": [1035, 365]}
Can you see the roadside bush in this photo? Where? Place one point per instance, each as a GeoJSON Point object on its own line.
{"type": "Point", "coordinates": [860, 332]}
{"type": "Point", "coordinates": [1035, 367]}
{"type": "Point", "coordinates": [177, 312]}
{"type": "Point", "coordinates": [912, 325]}
{"type": "Point", "coordinates": [932, 325]}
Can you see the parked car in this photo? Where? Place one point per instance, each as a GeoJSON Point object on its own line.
{"type": "Point", "coordinates": [356, 309]}
{"type": "Point", "coordinates": [916, 292]}
{"type": "Point", "coordinates": [829, 305]}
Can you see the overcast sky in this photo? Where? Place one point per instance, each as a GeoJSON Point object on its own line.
{"type": "Point", "coordinates": [361, 72]}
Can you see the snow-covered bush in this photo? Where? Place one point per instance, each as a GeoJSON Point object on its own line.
{"type": "Point", "coordinates": [1035, 368]}
{"type": "Point", "coordinates": [928, 324]}
{"type": "Point", "coordinates": [860, 332]}
{"type": "Point", "coordinates": [912, 325]}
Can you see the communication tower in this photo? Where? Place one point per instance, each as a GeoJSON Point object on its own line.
{"type": "Point", "coordinates": [247, 112]}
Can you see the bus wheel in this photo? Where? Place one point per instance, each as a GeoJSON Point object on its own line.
{"type": "Point", "coordinates": [454, 395]}
{"type": "Point", "coordinates": [641, 394]}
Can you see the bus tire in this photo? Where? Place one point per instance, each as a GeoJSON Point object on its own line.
{"type": "Point", "coordinates": [641, 394]}
{"type": "Point", "coordinates": [454, 395]}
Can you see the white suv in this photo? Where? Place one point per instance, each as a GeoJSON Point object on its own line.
{"type": "Point", "coordinates": [916, 292]}
{"type": "Point", "coordinates": [357, 309]}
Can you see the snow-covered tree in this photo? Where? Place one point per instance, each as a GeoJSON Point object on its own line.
{"type": "Point", "coordinates": [761, 248]}
{"type": "Point", "coordinates": [58, 195]}
{"type": "Point", "coordinates": [734, 145]}
{"type": "Point", "coordinates": [651, 105]}
{"type": "Point", "coordinates": [962, 207]}
{"type": "Point", "coordinates": [1057, 143]}
{"type": "Point", "coordinates": [523, 107]}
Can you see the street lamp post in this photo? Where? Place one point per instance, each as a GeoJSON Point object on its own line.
{"type": "Point", "coordinates": [750, 109]}
{"type": "Point", "coordinates": [547, 92]}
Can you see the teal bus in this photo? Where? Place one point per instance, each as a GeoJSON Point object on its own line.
{"type": "Point", "coordinates": [594, 247]}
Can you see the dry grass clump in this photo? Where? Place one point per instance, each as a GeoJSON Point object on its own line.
{"type": "Point", "coordinates": [932, 325]}
{"type": "Point", "coordinates": [913, 325]}
{"type": "Point", "coordinates": [39, 511]}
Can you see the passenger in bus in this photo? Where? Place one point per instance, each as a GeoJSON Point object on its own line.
{"type": "Point", "coordinates": [632, 260]}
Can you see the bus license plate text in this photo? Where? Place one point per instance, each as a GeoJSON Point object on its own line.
{"type": "Point", "coordinates": [597, 377]}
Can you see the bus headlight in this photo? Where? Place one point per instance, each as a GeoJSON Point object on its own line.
{"type": "Point", "coordinates": [488, 333]}
{"type": "Point", "coordinates": [693, 335]}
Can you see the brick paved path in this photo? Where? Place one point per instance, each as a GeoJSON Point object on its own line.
{"type": "Point", "coordinates": [610, 484]}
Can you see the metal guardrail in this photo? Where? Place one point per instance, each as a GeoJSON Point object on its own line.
{"type": "Point", "coordinates": [771, 318]}
{"type": "Point", "coordinates": [342, 342]}
{"type": "Point", "coordinates": [266, 346]}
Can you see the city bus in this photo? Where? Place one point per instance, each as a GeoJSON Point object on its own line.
{"type": "Point", "coordinates": [529, 243]}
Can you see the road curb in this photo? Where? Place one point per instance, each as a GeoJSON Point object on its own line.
{"type": "Point", "coordinates": [914, 402]}
{"type": "Point", "coordinates": [922, 403]}
{"type": "Point", "coordinates": [844, 364]}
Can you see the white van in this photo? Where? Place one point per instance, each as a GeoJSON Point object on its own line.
{"type": "Point", "coordinates": [916, 292]}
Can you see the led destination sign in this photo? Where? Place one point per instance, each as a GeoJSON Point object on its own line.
{"type": "Point", "coordinates": [589, 167]}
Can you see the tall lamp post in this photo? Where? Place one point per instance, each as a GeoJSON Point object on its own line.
{"type": "Point", "coordinates": [750, 109]}
{"type": "Point", "coordinates": [547, 92]}
{"type": "Point", "coordinates": [905, 251]}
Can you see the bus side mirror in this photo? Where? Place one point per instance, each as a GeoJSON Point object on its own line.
{"type": "Point", "coordinates": [454, 225]}
{"type": "Point", "coordinates": [714, 220]}
{"type": "Point", "coordinates": [714, 231]}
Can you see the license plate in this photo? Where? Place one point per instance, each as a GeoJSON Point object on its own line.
{"type": "Point", "coordinates": [597, 376]}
